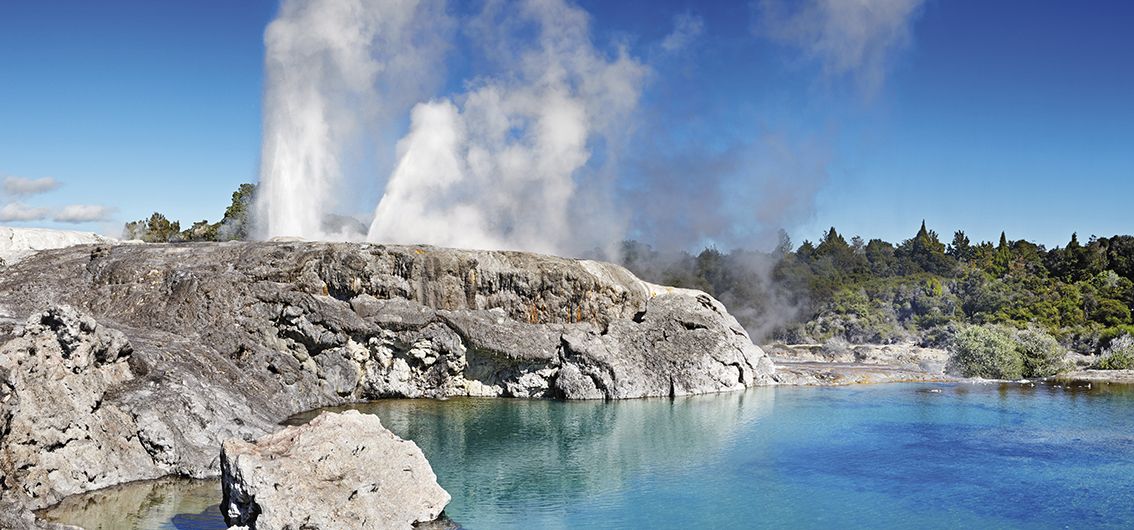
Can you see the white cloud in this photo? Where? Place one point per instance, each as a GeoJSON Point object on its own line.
{"type": "Point", "coordinates": [686, 28]}
{"type": "Point", "coordinates": [856, 38]}
{"type": "Point", "coordinates": [83, 213]}
{"type": "Point", "coordinates": [19, 186]}
{"type": "Point", "coordinates": [15, 211]}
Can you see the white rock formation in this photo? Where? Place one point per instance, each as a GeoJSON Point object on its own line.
{"type": "Point", "coordinates": [18, 243]}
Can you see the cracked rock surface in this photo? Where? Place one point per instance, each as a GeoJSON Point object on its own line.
{"type": "Point", "coordinates": [288, 479]}
{"type": "Point", "coordinates": [127, 362]}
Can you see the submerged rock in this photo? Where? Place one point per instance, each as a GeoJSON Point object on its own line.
{"type": "Point", "coordinates": [339, 471]}
{"type": "Point", "coordinates": [154, 354]}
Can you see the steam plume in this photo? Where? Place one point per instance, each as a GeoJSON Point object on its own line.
{"type": "Point", "coordinates": [500, 166]}
{"type": "Point", "coordinates": [333, 68]}
{"type": "Point", "coordinates": [537, 148]}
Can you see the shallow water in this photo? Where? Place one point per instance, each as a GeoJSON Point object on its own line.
{"type": "Point", "coordinates": [924, 455]}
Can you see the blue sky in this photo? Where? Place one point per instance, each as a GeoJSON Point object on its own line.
{"type": "Point", "coordinates": [993, 115]}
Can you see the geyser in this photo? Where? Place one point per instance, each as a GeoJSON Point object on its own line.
{"type": "Point", "coordinates": [502, 165]}
{"type": "Point", "coordinates": [334, 70]}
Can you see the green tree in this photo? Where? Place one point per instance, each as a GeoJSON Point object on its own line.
{"type": "Point", "coordinates": [880, 256]}
{"type": "Point", "coordinates": [235, 224]}
{"type": "Point", "coordinates": [924, 252]}
{"type": "Point", "coordinates": [961, 248]}
{"type": "Point", "coordinates": [156, 229]}
{"type": "Point", "coordinates": [200, 231]}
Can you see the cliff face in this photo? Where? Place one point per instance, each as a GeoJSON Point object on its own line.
{"type": "Point", "coordinates": [212, 341]}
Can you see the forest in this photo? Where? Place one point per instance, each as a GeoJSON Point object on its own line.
{"type": "Point", "coordinates": [922, 289]}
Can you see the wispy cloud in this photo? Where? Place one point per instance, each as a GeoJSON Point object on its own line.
{"type": "Point", "coordinates": [856, 38]}
{"type": "Point", "coordinates": [20, 186]}
{"type": "Point", "coordinates": [686, 28]}
{"type": "Point", "coordinates": [83, 213]}
{"type": "Point", "coordinates": [15, 211]}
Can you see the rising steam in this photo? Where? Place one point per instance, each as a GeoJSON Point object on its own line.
{"type": "Point", "coordinates": [334, 69]}
{"type": "Point", "coordinates": [526, 139]}
{"type": "Point", "coordinates": [500, 166]}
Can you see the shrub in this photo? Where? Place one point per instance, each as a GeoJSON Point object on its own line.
{"type": "Point", "coordinates": [1043, 356]}
{"type": "Point", "coordinates": [1119, 355]}
{"type": "Point", "coordinates": [987, 351]}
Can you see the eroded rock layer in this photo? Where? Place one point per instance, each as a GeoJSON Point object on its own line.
{"type": "Point", "coordinates": [149, 355]}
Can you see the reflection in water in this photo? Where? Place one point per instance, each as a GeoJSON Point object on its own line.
{"type": "Point", "coordinates": [905, 455]}
{"type": "Point", "coordinates": [168, 503]}
{"type": "Point", "coordinates": [506, 456]}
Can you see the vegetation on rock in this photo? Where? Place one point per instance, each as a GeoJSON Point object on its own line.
{"type": "Point", "coordinates": [234, 224]}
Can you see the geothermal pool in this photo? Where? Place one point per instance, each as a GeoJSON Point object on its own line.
{"type": "Point", "coordinates": [904, 455]}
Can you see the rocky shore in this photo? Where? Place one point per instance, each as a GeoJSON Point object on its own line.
{"type": "Point", "coordinates": [818, 364]}
{"type": "Point", "coordinates": [129, 362]}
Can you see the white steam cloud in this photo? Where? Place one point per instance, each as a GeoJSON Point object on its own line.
{"type": "Point", "coordinates": [502, 166]}
{"type": "Point", "coordinates": [333, 68]}
{"type": "Point", "coordinates": [856, 38]}
{"type": "Point", "coordinates": [20, 186]}
{"type": "Point", "coordinates": [527, 152]}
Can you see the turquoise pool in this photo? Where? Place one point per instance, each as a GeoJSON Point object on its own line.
{"type": "Point", "coordinates": [902, 456]}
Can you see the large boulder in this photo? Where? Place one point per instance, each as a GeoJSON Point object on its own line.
{"type": "Point", "coordinates": [340, 471]}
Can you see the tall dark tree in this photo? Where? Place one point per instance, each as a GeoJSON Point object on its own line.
{"type": "Point", "coordinates": [880, 255]}
{"type": "Point", "coordinates": [961, 248]}
{"type": "Point", "coordinates": [236, 221]}
{"type": "Point", "coordinates": [924, 252]}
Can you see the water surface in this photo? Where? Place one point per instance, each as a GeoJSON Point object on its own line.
{"type": "Point", "coordinates": [904, 455]}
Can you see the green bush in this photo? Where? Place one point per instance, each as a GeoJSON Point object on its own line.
{"type": "Point", "coordinates": [987, 351]}
{"type": "Point", "coordinates": [1043, 356]}
{"type": "Point", "coordinates": [1119, 355]}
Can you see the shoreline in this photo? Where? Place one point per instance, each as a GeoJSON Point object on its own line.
{"type": "Point", "coordinates": [865, 364]}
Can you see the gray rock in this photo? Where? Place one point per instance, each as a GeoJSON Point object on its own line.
{"type": "Point", "coordinates": [338, 471]}
{"type": "Point", "coordinates": [60, 434]}
{"type": "Point", "coordinates": [199, 343]}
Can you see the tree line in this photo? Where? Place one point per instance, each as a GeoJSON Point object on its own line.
{"type": "Point", "coordinates": [920, 289]}
{"type": "Point", "coordinates": [234, 225]}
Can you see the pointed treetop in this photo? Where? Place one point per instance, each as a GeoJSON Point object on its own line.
{"type": "Point", "coordinates": [1074, 240]}
{"type": "Point", "coordinates": [1003, 240]}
